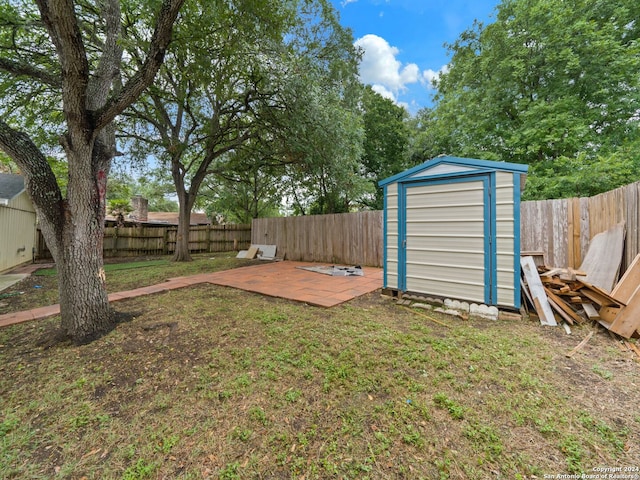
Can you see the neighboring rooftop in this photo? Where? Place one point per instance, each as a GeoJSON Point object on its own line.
{"type": "Point", "coordinates": [11, 185]}
{"type": "Point", "coordinates": [171, 218]}
{"type": "Point", "coordinates": [163, 218]}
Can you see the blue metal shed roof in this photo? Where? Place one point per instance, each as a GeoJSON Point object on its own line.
{"type": "Point", "coordinates": [467, 162]}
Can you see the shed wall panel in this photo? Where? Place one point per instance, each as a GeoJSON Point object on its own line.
{"type": "Point", "coordinates": [445, 213]}
{"type": "Point", "coordinates": [443, 288]}
{"type": "Point", "coordinates": [454, 227]}
{"type": "Point", "coordinates": [505, 232]}
{"type": "Point", "coordinates": [444, 168]}
{"type": "Point", "coordinates": [392, 233]}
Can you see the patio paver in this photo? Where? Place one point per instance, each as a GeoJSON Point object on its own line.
{"type": "Point", "coordinates": [278, 279]}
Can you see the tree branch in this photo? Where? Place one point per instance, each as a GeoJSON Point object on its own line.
{"type": "Point", "coordinates": [41, 183]}
{"type": "Point", "coordinates": [20, 69]}
{"type": "Point", "coordinates": [60, 19]}
{"type": "Point", "coordinates": [145, 75]}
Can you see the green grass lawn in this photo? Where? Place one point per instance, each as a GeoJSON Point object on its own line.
{"type": "Point", "coordinates": [212, 382]}
{"type": "Point", "coordinates": [112, 267]}
{"type": "Point", "coordinates": [41, 289]}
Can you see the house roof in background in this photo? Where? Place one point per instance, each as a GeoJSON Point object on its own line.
{"type": "Point", "coordinates": [165, 218]}
{"type": "Point", "coordinates": [10, 186]}
{"type": "Point", "coordinates": [171, 218]}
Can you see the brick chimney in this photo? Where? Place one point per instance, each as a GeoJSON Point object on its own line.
{"type": "Point", "coordinates": [140, 208]}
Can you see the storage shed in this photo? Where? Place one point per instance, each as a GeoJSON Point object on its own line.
{"type": "Point", "coordinates": [452, 230]}
{"type": "Point", "coordinates": [17, 222]}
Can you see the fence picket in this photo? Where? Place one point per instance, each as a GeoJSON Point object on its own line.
{"type": "Point", "coordinates": [149, 240]}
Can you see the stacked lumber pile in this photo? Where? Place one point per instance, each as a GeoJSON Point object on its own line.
{"type": "Point", "coordinates": [565, 294]}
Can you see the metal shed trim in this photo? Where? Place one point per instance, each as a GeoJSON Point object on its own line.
{"type": "Point", "coordinates": [384, 236]}
{"type": "Point", "coordinates": [480, 165]}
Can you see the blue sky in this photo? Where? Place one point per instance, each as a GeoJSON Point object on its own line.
{"type": "Point", "coordinates": [403, 41]}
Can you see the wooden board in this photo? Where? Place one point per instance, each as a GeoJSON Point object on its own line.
{"type": "Point", "coordinates": [609, 314]}
{"type": "Point", "coordinates": [537, 292]}
{"type": "Point", "coordinates": [580, 345]}
{"type": "Point", "coordinates": [633, 348]}
{"type": "Point", "coordinates": [591, 312]}
{"type": "Point", "coordinates": [525, 290]}
{"type": "Point", "coordinates": [598, 296]}
{"type": "Point", "coordinates": [628, 319]}
{"type": "Point", "coordinates": [603, 259]}
{"type": "Point", "coordinates": [568, 311]}
{"type": "Point", "coordinates": [560, 312]}
{"type": "Point", "coordinates": [629, 283]}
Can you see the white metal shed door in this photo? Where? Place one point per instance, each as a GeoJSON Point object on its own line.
{"type": "Point", "coordinates": [445, 239]}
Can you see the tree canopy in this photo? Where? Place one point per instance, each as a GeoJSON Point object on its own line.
{"type": "Point", "coordinates": [548, 80]}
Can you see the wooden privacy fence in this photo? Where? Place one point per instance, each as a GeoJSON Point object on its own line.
{"type": "Point", "coordinates": [147, 240]}
{"type": "Point", "coordinates": [562, 229]}
{"type": "Point", "coordinates": [345, 238]}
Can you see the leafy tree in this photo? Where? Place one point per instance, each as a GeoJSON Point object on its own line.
{"type": "Point", "coordinates": [119, 208]}
{"type": "Point", "coordinates": [158, 189]}
{"type": "Point", "coordinates": [386, 142]}
{"type": "Point", "coordinates": [6, 165]}
{"type": "Point", "coordinates": [583, 176]}
{"type": "Point", "coordinates": [548, 79]}
{"type": "Point", "coordinates": [233, 83]}
{"type": "Point", "coordinates": [120, 186]}
{"type": "Point", "coordinates": [154, 186]}
{"type": "Point", "coordinates": [60, 64]}
{"type": "Point", "coordinates": [250, 189]}
{"type": "Point", "coordinates": [241, 198]}
{"type": "Point", "coordinates": [328, 135]}
{"type": "Point", "coordinates": [205, 100]}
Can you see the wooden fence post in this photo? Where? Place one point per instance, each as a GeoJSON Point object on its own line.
{"type": "Point", "coordinates": [114, 247]}
{"type": "Point", "coordinates": [165, 241]}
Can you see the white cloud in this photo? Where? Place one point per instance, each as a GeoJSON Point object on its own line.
{"type": "Point", "coordinates": [429, 75]}
{"type": "Point", "coordinates": [383, 92]}
{"type": "Point", "coordinates": [380, 68]}
{"type": "Point", "coordinates": [344, 3]}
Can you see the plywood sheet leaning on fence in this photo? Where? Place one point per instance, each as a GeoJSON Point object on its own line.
{"type": "Point", "coordinates": [540, 301]}
{"type": "Point", "coordinates": [629, 283]}
{"type": "Point", "coordinates": [603, 258]}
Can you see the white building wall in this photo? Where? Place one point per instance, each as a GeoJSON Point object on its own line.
{"type": "Point", "coordinates": [17, 232]}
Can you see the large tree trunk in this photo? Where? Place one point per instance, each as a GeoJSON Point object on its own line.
{"type": "Point", "coordinates": [182, 252]}
{"type": "Point", "coordinates": [92, 97]}
{"type": "Point", "coordinates": [84, 305]}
